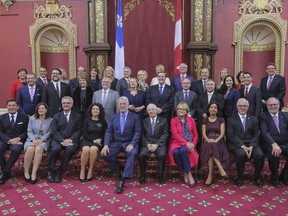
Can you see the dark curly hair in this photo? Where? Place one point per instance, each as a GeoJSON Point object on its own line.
{"type": "Point", "coordinates": [102, 111]}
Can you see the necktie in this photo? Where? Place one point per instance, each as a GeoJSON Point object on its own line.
{"type": "Point", "coordinates": [269, 82]}
{"type": "Point", "coordinates": [153, 126]}
{"type": "Point", "coordinates": [244, 122]}
{"type": "Point", "coordinates": [104, 97]}
{"type": "Point", "coordinates": [204, 85]}
{"type": "Point", "coordinates": [246, 92]}
{"type": "Point", "coordinates": [66, 116]}
{"type": "Point", "coordinates": [186, 96]}
{"type": "Point", "coordinates": [182, 78]}
{"type": "Point", "coordinates": [161, 89]}
{"type": "Point", "coordinates": [57, 89]}
{"type": "Point", "coordinates": [209, 97]}
{"type": "Point", "coordinates": [122, 123]}
{"type": "Point", "coordinates": [31, 93]}
{"type": "Point", "coordinates": [12, 121]}
{"type": "Point", "coordinates": [276, 122]}
{"type": "Point", "coordinates": [45, 81]}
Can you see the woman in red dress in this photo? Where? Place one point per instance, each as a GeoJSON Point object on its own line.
{"type": "Point", "coordinates": [16, 84]}
{"type": "Point", "coordinates": [182, 149]}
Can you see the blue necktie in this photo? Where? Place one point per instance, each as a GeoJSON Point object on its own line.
{"type": "Point", "coordinates": [12, 121]}
{"type": "Point", "coordinates": [122, 123]}
{"type": "Point", "coordinates": [161, 89]}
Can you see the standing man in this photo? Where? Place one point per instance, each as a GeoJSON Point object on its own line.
{"type": "Point", "coordinates": [176, 81]}
{"type": "Point", "coordinates": [274, 132]}
{"type": "Point", "coordinates": [29, 95]}
{"type": "Point", "coordinates": [107, 97]}
{"type": "Point", "coordinates": [42, 79]}
{"type": "Point", "coordinates": [243, 142]}
{"type": "Point", "coordinates": [186, 95]}
{"type": "Point", "coordinates": [54, 91]}
{"type": "Point", "coordinates": [200, 85]}
{"type": "Point", "coordinates": [155, 133]}
{"type": "Point", "coordinates": [162, 95]}
{"type": "Point", "coordinates": [252, 94]}
{"type": "Point", "coordinates": [66, 131]}
{"type": "Point", "coordinates": [13, 134]}
{"type": "Point", "coordinates": [74, 83]}
{"type": "Point", "coordinates": [122, 84]}
{"type": "Point", "coordinates": [122, 135]}
{"type": "Point", "coordinates": [272, 85]}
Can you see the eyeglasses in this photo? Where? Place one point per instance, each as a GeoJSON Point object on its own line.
{"type": "Point", "coordinates": [270, 105]}
{"type": "Point", "coordinates": [242, 106]}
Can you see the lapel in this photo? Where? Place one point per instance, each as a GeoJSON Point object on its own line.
{"type": "Point", "coordinates": [239, 122]}
{"type": "Point", "coordinates": [53, 88]}
{"type": "Point", "coordinates": [280, 121]}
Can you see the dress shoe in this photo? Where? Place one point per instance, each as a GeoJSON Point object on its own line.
{"type": "Point", "coordinates": [193, 185]}
{"type": "Point", "coordinates": [238, 182]}
{"type": "Point", "coordinates": [161, 181]}
{"type": "Point", "coordinates": [276, 184]}
{"type": "Point", "coordinates": [33, 181]}
{"type": "Point", "coordinates": [142, 180]}
{"type": "Point", "coordinates": [120, 187]}
{"type": "Point", "coordinates": [89, 179]}
{"type": "Point", "coordinates": [50, 177]}
{"type": "Point", "coordinates": [207, 185]}
{"type": "Point", "coordinates": [259, 183]}
{"type": "Point", "coordinates": [27, 179]}
{"type": "Point", "coordinates": [4, 177]}
{"type": "Point", "coordinates": [58, 177]}
{"type": "Point", "coordinates": [283, 180]}
{"type": "Point", "coordinates": [82, 180]}
{"type": "Point", "coordinates": [120, 172]}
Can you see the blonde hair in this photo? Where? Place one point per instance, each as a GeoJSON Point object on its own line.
{"type": "Point", "coordinates": [142, 72]}
{"type": "Point", "coordinates": [138, 86]}
{"type": "Point", "coordinates": [183, 105]}
{"type": "Point", "coordinates": [113, 72]}
{"type": "Point", "coordinates": [160, 68]}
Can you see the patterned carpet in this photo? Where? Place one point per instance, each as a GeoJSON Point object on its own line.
{"type": "Point", "coordinates": [71, 197]}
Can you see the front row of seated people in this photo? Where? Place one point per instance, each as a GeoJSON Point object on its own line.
{"type": "Point", "coordinates": [124, 133]}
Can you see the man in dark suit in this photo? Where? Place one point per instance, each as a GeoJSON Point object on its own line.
{"type": "Point", "coordinates": [243, 142]}
{"type": "Point", "coordinates": [122, 84]}
{"type": "Point", "coordinates": [13, 134]}
{"type": "Point", "coordinates": [42, 79]}
{"type": "Point", "coordinates": [162, 96]}
{"type": "Point", "coordinates": [199, 86]}
{"type": "Point", "coordinates": [176, 81]}
{"type": "Point", "coordinates": [29, 95]}
{"type": "Point", "coordinates": [272, 85]}
{"type": "Point", "coordinates": [122, 135]}
{"type": "Point", "coordinates": [74, 83]}
{"type": "Point", "coordinates": [54, 91]}
{"type": "Point", "coordinates": [155, 133]}
{"type": "Point", "coordinates": [66, 131]}
{"type": "Point", "coordinates": [252, 94]}
{"type": "Point", "coordinates": [274, 132]}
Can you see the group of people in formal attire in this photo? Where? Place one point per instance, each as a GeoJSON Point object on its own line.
{"type": "Point", "coordinates": [189, 123]}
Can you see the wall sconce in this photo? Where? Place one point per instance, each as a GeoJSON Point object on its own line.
{"type": "Point", "coordinates": [6, 3]}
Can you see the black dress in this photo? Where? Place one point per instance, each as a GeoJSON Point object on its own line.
{"type": "Point", "coordinates": [93, 130]}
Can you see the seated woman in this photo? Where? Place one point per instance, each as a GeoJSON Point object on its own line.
{"type": "Point", "coordinates": [182, 149]}
{"type": "Point", "coordinates": [94, 127]}
{"type": "Point", "coordinates": [39, 133]}
{"type": "Point", "coordinates": [213, 149]}
{"type": "Point", "coordinates": [136, 97]}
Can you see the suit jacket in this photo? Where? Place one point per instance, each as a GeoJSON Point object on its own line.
{"type": "Point", "coordinates": [51, 97]}
{"type": "Point", "coordinates": [131, 133]}
{"type": "Point", "coordinates": [230, 102]}
{"type": "Point", "coordinates": [269, 131]}
{"type": "Point", "coordinates": [111, 104]}
{"type": "Point", "coordinates": [73, 84]}
{"type": "Point", "coordinates": [34, 127]}
{"type": "Point", "coordinates": [198, 87]}
{"type": "Point", "coordinates": [236, 135]}
{"type": "Point", "coordinates": [163, 101]}
{"type": "Point", "coordinates": [177, 139]}
{"type": "Point", "coordinates": [19, 130]}
{"type": "Point", "coordinates": [77, 99]}
{"type": "Point", "coordinates": [23, 98]}
{"type": "Point", "coordinates": [121, 86]}
{"type": "Point", "coordinates": [161, 132]}
{"type": "Point", "coordinates": [176, 82]}
{"type": "Point", "coordinates": [40, 82]}
{"type": "Point", "coordinates": [254, 98]}
{"type": "Point", "coordinates": [191, 101]}
{"type": "Point", "coordinates": [202, 103]}
{"type": "Point", "coordinates": [61, 129]}
{"type": "Point", "coordinates": [277, 88]}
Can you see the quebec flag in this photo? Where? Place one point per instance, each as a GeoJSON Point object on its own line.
{"type": "Point", "coordinates": [119, 45]}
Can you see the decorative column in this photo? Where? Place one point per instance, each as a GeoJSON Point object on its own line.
{"type": "Point", "coordinates": [98, 47]}
{"type": "Point", "coordinates": [202, 47]}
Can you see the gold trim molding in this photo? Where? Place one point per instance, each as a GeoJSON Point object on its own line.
{"type": "Point", "coordinates": [6, 3]}
{"type": "Point", "coordinates": [273, 21]}
{"type": "Point", "coordinates": [260, 6]}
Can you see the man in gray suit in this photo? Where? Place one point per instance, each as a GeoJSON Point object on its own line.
{"type": "Point", "coordinates": [186, 95]}
{"type": "Point", "coordinates": [155, 133]}
{"type": "Point", "coordinates": [122, 84]}
{"type": "Point", "coordinates": [108, 98]}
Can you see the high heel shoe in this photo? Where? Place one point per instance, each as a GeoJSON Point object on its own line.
{"type": "Point", "coordinates": [207, 185]}
{"type": "Point", "coordinates": [27, 179]}
{"type": "Point", "coordinates": [193, 185]}
{"type": "Point", "coordinates": [82, 180]}
{"type": "Point", "coordinates": [89, 179]}
{"type": "Point", "coordinates": [33, 181]}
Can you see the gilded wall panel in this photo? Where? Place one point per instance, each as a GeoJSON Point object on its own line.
{"type": "Point", "coordinates": [198, 64]}
{"type": "Point", "coordinates": [99, 11]}
{"type": "Point", "coordinates": [198, 29]}
{"type": "Point", "coordinates": [209, 15]}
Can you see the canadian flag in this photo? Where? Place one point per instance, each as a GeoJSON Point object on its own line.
{"type": "Point", "coordinates": [178, 38]}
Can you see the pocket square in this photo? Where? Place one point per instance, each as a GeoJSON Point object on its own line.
{"type": "Point", "coordinates": [20, 123]}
